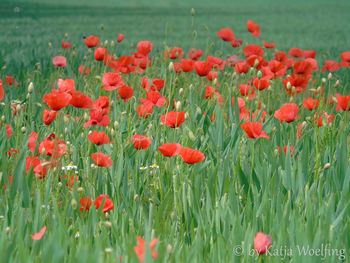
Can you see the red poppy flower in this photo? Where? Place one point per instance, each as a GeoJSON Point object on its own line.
{"type": "Point", "coordinates": [303, 67]}
{"type": "Point", "coordinates": [253, 28]}
{"type": "Point", "coordinates": [31, 162]}
{"type": "Point", "coordinates": [66, 44]}
{"type": "Point", "coordinates": [261, 84]}
{"type": "Point", "coordinates": [98, 138]}
{"type": "Point", "coordinates": [269, 44]}
{"type": "Point", "coordinates": [173, 119]}
{"type": "Point", "coordinates": [141, 142]}
{"type": "Point", "coordinates": [80, 100]}
{"type": "Point", "coordinates": [40, 170]}
{"type": "Point", "coordinates": [92, 41]}
{"type": "Point", "coordinates": [2, 91]}
{"type": "Point", "coordinates": [145, 109]}
{"type": "Point", "coordinates": [242, 67]}
{"type": "Point", "coordinates": [311, 103]}
{"type": "Point", "coordinates": [247, 90]}
{"type": "Point", "coordinates": [59, 61]}
{"type": "Point", "coordinates": [66, 85]}
{"type": "Point", "coordinates": [174, 53]}
{"type": "Point", "coordinates": [277, 68]}
{"type": "Point", "coordinates": [241, 102]}
{"type": "Point", "coordinates": [155, 84]}
{"type": "Point", "coordinates": [195, 54]}
{"type": "Point", "coordinates": [12, 151]}
{"type": "Point", "coordinates": [211, 92]}
{"type": "Point", "coordinates": [262, 243]}
{"type": "Point", "coordinates": [191, 156]}
{"type": "Point", "coordinates": [282, 57]}
{"type": "Point", "coordinates": [254, 130]}
{"type": "Point", "coordinates": [296, 52]}
{"type": "Point", "coordinates": [155, 98]}
{"type": "Point", "coordinates": [226, 34]}
{"type": "Point", "coordinates": [102, 103]}
{"type": "Point", "coordinates": [32, 141]}
{"type": "Point", "coordinates": [144, 47]}
{"type": "Point", "coordinates": [202, 68]}
{"type": "Point", "coordinates": [158, 84]}
{"type": "Point", "coordinates": [84, 70]}
{"type": "Point", "coordinates": [310, 53]}
{"type": "Point", "coordinates": [237, 43]}
{"type": "Point", "coordinates": [85, 203]}
{"type": "Point", "coordinates": [256, 61]}
{"type": "Point", "coordinates": [170, 149]}
{"type": "Point", "coordinates": [253, 49]}
{"type": "Point", "coordinates": [100, 53]}
{"type": "Point", "coordinates": [57, 100]}
{"type": "Point", "coordinates": [39, 235]}
{"type": "Point", "coordinates": [112, 81]}
{"type": "Point", "coordinates": [99, 117]}
{"type": "Point", "coordinates": [345, 59]}
{"type": "Point", "coordinates": [101, 159]}
{"type": "Point", "coordinates": [217, 63]}
{"type": "Point", "coordinates": [140, 249]}
{"type": "Point", "coordinates": [313, 62]}
{"type": "Point", "coordinates": [187, 65]}
{"type": "Point", "coordinates": [49, 116]}
{"type": "Point", "coordinates": [287, 113]}
{"type": "Point", "coordinates": [331, 65]}
{"type": "Point", "coordinates": [53, 147]}
{"type": "Point", "coordinates": [343, 102]}
{"type": "Point", "coordinates": [105, 201]}
{"type": "Point", "coordinates": [9, 130]}
{"type": "Point", "coordinates": [125, 93]}
{"type": "Point", "coordinates": [324, 119]}
{"type": "Point", "coordinates": [212, 75]}
{"type": "Point", "coordinates": [120, 38]}
{"type": "Point", "coordinates": [10, 80]}
{"type": "Point", "coordinates": [298, 84]}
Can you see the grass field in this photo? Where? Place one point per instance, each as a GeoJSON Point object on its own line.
{"type": "Point", "coordinates": [205, 206]}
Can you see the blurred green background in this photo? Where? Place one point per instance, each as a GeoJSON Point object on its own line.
{"type": "Point", "coordinates": [26, 27]}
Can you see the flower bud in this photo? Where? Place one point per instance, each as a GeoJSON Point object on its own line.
{"type": "Point", "coordinates": [326, 166]}
{"type": "Point", "coordinates": [108, 224]}
{"type": "Point", "coordinates": [193, 12]}
{"type": "Point", "coordinates": [191, 135]}
{"type": "Point", "coordinates": [74, 204]}
{"type": "Point", "coordinates": [337, 83]}
{"type": "Point", "coordinates": [169, 249]}
{"type": "Point", "coordinates": [256, 62]}
{"type": "Point", "coordinates": [178, 105]}
{"type": "Point", "coordinates": [18, 107]}
{"type": "Point", "coordinates": [259, 74]}
{"type": "Point", "coordinates": [171, 66]}
{"type": "Point", "coordinates": [30, 87]}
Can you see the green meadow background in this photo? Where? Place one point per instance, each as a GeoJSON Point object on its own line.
{"type": "Point", "coordinates": [26, 27]}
